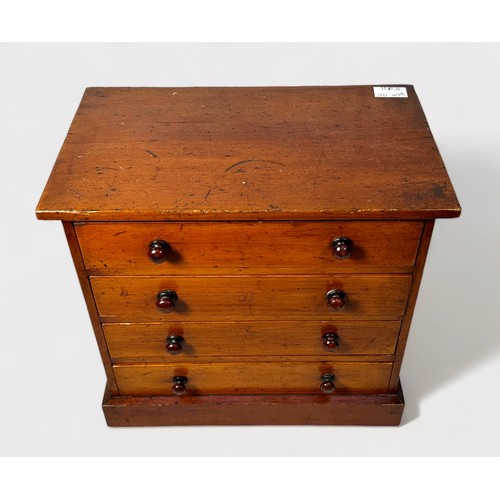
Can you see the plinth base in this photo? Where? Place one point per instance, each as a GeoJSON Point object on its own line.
{"type": "Point", "coordinates": [264, 409]}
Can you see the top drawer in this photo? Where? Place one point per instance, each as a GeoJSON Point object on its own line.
{"type": "Point", "coordinates": [249, 247]}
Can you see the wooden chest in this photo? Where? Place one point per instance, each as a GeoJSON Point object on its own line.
{"type": "Point", "coordinates": [250, 255]}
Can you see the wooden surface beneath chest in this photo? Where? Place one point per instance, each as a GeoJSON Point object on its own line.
{"type": "Point", "coordinates": [247, 153]}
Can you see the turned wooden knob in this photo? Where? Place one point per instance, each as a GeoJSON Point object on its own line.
{"type": "Point", "coordinates": [165, 301]}
{"type": "Point", "coordinates": [158, 251]}
{"type": "Point", "coordinates": [179, 387]}
{"type": "Point", "coordinates": [327, 383]}
{"type": "Point", "coordinates": [341, 247]}
{"type": "Point", "coordinates": [174, 344]}
{"type": "Point", "coordinates": [330, 341]}
{"type": "Point", "coordinates": [335, 300]}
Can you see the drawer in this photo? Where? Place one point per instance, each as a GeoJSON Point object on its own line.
{"type": "Point", "coordinates": [129, 299]}
{"type": "Point", "coordinates": [251, 378]}
{"type": "Point", "coordinates": [147, 342]}
{"type": "Point", "coordinates": [248, 247]}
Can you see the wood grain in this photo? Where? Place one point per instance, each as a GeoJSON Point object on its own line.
{"type": "Point", "coordinates": [268, 153]}
{"type": "Point", "coordinates": [129, 299]}
{"type": "Point", "coordinates": [249, 186]}
{"type": "Point", "coordinates": [145, 342]}
{"type": "Point", "coordinates": [412, 301]}
{"type": "Point", "coordinates": [246, 247]}
{"type": "Point", "coordinates": [259, 409]}
{"type": "Point", "coordinates": [251, 378]}
{"type": "Point", "coordinates": [91, 305]}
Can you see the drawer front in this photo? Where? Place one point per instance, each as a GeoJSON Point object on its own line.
{"type": "Point", "coordinates": [133, 299]}
{"type": "Point", "coordinates": [248, 248]}
{"type": "Point", "coordinates": [251, 378]}
{"type": "Point", "coordinates": [147, 342]}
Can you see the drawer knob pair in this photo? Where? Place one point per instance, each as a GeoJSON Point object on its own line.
{"type": "Point", "coordinates": [158, 251]}
{"type": "Point", "coordinates": [166, 299]}
{"type": "Point", "coordinates": [174, 343]}
{"type": "Point", "coordinates": [179, 384]}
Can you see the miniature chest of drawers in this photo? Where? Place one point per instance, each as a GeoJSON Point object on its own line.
{"type": "Point", "coordinates": [249, 255]}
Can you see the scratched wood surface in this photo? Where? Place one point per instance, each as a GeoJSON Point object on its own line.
{"type": "Point", "coordinates": [249, 247]}
{"type": "Point", "coordinates": [133, 299]}
{"type": "Point", "coordinates": [248, 154]}
{"type": "Point", "coordinates": [251, 378]}
{"type": "Point", "coordinates": [145, 342]}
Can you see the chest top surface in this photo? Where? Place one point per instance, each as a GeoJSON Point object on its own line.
{"type": "Point", "coordinates": [243, 153]}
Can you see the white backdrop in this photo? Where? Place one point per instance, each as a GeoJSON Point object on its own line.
{"type": "Point", "coordinates": [51, 379]}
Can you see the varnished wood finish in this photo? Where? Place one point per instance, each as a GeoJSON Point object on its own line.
{"type": "Point", "coordinates": [268, 409]}
{"type": "Point", "coordinates": [131, 299]}
{"type": "Point", "coordinates": [136, 342]}
{"type": "Point", "coordinates": [249, 247]}
{"type": "Point", "coordinates": [283, 153]}
{"type": "Point", "coordinates": [250, 205]}
{"type": "Point", "coordinates": [251, 378]}
{"type": "Point", "coordinates": [90, 302]}
{"type": "Point", "coordinates": [412, 300]}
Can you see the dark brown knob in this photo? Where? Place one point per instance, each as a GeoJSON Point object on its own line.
{"type": "Point", "coordinates": [327, 383]}
{"type": "Point", "coordinates": [330, 341]}
{"type": "Point", "coordinates": [158, 251]}
{"type": "Point", "coordinates": [335, 300]}
{"type": "Point", "coordinates": [341, 247]}
{"type": "Point", "coordinates": [179, 387]}
{"type": "Point", "coordinates": [174, 344]}
{"type": "Point", "coordinates": [165, 301]}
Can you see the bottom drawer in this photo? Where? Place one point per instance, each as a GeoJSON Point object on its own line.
{"type": "Point", "coordinates": [251, 378]}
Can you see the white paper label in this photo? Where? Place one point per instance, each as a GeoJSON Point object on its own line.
{"type": "Point", "coordinates": [390, 91]}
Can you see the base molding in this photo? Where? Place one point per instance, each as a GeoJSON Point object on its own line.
{"type": "Point", "coordinates": [263, 409]}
